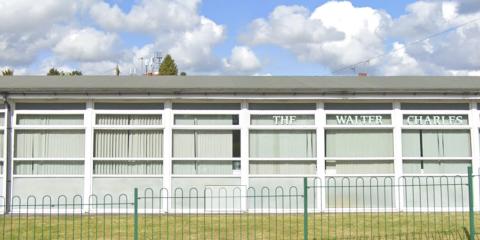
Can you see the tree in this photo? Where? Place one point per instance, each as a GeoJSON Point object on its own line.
{"type": "Point", "coordinates": [117, 71]}
{"type": "Point", "coordinates": [54, 72]}
{"type": "Point", "coordinates": [183, 74]}
{"type": "Point", "coordinates": [168, 66]}
{"type": "Point", "coordinates": [7, 72]}
{"type": "Point", "coordinates": [75, 73]}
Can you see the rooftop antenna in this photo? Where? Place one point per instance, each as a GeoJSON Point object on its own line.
{"type": "Point", "coordinates": [155, 63]}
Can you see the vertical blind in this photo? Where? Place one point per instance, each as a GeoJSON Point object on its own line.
{"type": "Point", "coordinates": [282, 167]}
{"type": "Point", "coordinates": [359, 143]}
{"type": "Point", "coordinates": [49, 119]}
{"type": "Point", "coordinates": [360, 167]}
{"type": "Point", "coordinates": [48, 167]}
{"type": "Point", "coordinates": [282, 143]}
{"type": "Point", "coordinates": [436, 143]}
{"type": "Point", "coordinates": [49, 143]}
{"type": "Point", "coordinates": [202, 167]}
{"type": "Point", "coordinates": [105, 119]}
{"type": "Point", "coordinates": [206, 119]}
{"type": "Point", "coordinates": [205, 143]}
{"type": "Point", "coordinates": [128, 143]}
{"type": "Point", "coordinates": [127, 167]}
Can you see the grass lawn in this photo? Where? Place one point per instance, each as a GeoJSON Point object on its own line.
{"type": "Point", "coordinates": [238, 226]}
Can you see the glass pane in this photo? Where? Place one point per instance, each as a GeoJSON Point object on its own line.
{"type": "Point", "coordinates": [206, 143]}
{"type": "Point", "coordinates": [366, 119]}
{"type": "Point", "coordinates": [105, 119]}
{"type": "Point", "coordinates": [128, 143]}
{"type": "Point", "coordinates": [435, 119]}
{"type": "Point", "coordinates": [436, 167]}
{"type": "Point", "coordinates": [206, 106]}
{"type": "Point", "coordinates": [282, 119]}
{"type": "Point", "coordinates": [435, 106]}
{"type": "Point", "coordinates": [282, 106]}
{"type": "Point", "coordinates": [50, 119]}
{"type": "Point", "coordinates": [48, 167]}
{"type": "Point", "coordinates": [1, 144]}
{"type": "Point", "coordinates": [283, 167]}
{"type": "Point", "coordinates": [49, 143]}
{"type": "Point", "coordinates": [359, 143]}
{"type": "Point", "coordinates": [359, 167]}
{"type": "Point", "coordinates": [2, 119]}
{"type": "Point", "coordinates": [127, 167]}
{"type": "Point", "coordinates": [128, 106]}
{"type": "Point", "coordinates": [206, 119]}
{"type": "Point", "coordinates": [49, 106]}
{"type": "Point", "coordinates": [282, 143]}
{"type": "Point", "coordinates": [436, 143]}
{"type": "Point", "coordinates": [202, 167]}
{"type": "Point", "coordinates": [358, 106]}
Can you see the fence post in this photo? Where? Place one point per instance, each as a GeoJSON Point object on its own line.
{"type": "Point", "coordinates": [135, 214]}
{"type": "Point", "coordinates": [305, 209]}
{"type": "Point", "coordinates": [470, 204]}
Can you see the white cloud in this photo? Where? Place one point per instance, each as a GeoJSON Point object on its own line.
{"type": "Point", "coordinates": [148, 16]}
{"type": "Point", "coordinates": [86, 44]}
{"type": "Point", "coordinates": [177, 27]}
{"type": "Point", "coordinates": [454, 51]}
{"type": "Point", "coordinates": [242, 60]}
{"type": "Point", "coordinates": [334, 34]}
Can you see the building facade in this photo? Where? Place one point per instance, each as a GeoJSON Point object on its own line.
{"type": "Point", "coordinates": [104, 135]}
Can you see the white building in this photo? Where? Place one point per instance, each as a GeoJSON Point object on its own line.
{"type": "Point", "coordinates": [97, 135]}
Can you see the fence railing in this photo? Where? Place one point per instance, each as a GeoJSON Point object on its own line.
{"type": "Point", "coordinates": [332, 208]}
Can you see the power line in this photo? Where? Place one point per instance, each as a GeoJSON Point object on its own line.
{"type": "Point", "coordinates": [353, 66]}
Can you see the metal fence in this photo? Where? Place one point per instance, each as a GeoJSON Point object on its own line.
{"type": "Point", "coordinates": [332, 208]}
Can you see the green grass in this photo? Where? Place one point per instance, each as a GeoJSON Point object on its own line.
{"type": "Point", "coordinates": [239, 226]}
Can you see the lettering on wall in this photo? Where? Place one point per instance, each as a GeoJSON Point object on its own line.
{"type": "Point", "coordinates": [359, 119]}
{"type": "Point", "coordinates": [284, 120]}
{"type": "Point", "coordinates": [435, 120]}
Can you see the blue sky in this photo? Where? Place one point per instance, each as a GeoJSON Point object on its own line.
{"type": "Point", "coordinates": [248, 37]}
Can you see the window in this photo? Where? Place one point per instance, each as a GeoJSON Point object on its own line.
{"type": "Point", "coordinates": [2, 136]}
{"type": "Point", "coordinates": [282, 152]}
{"type": "Point", "coordinates": [216, 148]}
{"type": "Point", "coordinates": [28, 119]}
{"type": "Point", "coordinates": [359, 151]}
{"type": "Point", "coordinates": [436, 151]}
{"type": "Point", "coordinates": [282, 144]}
{"type": "Point", "coordinates": [127, 144]}
{"type": "Point", "coordinates": [181, 119]}
{"type": "Point", "coordinates": [45, 152]}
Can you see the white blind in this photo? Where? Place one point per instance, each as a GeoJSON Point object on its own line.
{"type": "Point", "coordinates": [206, 119]}
{"type": "Point", "coordinates": [359, 143]}
{"type": "Point", "coordinates": [202, 167]}
{"type": "Point", "coordinates": [280, 143]}
{"type": "Point", "coordinates": [282, 167]}
{"type": "Point", "coordinates": [436, 143]}
{"type": "Point", "coordinates": [49, 143]}
{"type": "Point", "coordinates": [203, 143]}
{"type": "Point", "coordinates": [49, 119]}
{"type": "Point", "coordinates": [106, 119]}
{"type": "Point", "coordinates": [360, 167]}
{"type": "Point", "coordinates": [48, 167]}
{"type": "Point", "coordinates": [127, 167]}
{"type": "Point", "coordinates": [128, 143]}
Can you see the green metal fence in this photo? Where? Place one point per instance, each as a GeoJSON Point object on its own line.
{"type": "Point", "coordinates": [331, 208]}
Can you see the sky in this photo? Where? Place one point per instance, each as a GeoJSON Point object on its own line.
{"type": "Point", "coordinates": [243, 37]}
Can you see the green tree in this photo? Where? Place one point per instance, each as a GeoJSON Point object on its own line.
{"type": "Point", "coordinates": [75, 73]}
{"type": "Point", "coordinates": [54, 72]}
{"type": "Point", "coordinates": [168, 66]}
{"type": "Point", "coordinates": [7, 72]}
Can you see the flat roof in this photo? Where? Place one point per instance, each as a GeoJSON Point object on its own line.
{"type": "Point", "coordinates": [239, 84]}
